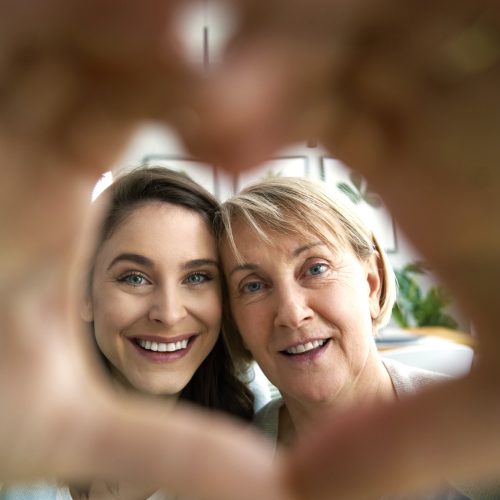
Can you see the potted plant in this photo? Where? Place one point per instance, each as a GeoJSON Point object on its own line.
{"type": "Point", "coordinates": [413, 307]}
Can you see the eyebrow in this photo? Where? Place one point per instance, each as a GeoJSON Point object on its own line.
{"type": "Point", "coordinates": [132, 257]}
{"type": "Point", "coordinates": [295, 253]}
{"type": "Point", "coordinates": [200, 262]}
{"type": "Point", "coordinates": [303, 248]}
{"type": "Point", "coordinates": [144, 261]}
{"type": "Point", "coordinates": [243, 267]}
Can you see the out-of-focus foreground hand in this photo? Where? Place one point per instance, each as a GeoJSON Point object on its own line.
{"type": "Point", "coordinates": [75, 78]}
{"type": "Point", "coordinates": [407, 93]}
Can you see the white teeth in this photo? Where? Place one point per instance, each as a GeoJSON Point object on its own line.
{"type": "Point", "coordinates": [163, 346]}
{"type": "Point", "coordinates": [308, 346]}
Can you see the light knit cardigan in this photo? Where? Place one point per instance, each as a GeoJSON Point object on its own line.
{"type": "Point", "coordinates": [406, 380]}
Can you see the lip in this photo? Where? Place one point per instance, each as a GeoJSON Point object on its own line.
{"type": "Point", "coordinates": [306, 357]}
{"type": "Point", "coordinates": [162, 357]}
{"type": "Point", "coordinates": [157, 338]}
{"type": "Point", "coordinates": [303, 341]}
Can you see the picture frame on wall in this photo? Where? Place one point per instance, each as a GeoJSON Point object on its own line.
{"type": "Point", "coordinates": [354, 187]}
{"type": "Point", "coordinates": [285, 166]}
{"type": "Point", "coordinates": [203, 174]}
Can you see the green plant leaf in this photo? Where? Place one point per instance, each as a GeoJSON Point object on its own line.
{"type": "Point", "coordinates": [447, 321]}
{"type": "Point", "coordinates": [417, 267]}
{"type": "Point", "coordinates": [353, 195]}
{"type": "Point", "coordinates": [409, 290]}
{"type": "Point", "coordinates": [429, 312]}
{"type": "Point", "coordinates": [415, 308]}
{"type": "Point", "coordinates": [399, 316]}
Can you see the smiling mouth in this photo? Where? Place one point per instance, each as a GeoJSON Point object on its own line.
{"type": "Point", "coordinates": [148, 345]}
{"type": "Point", "coordinates": [304, 348]}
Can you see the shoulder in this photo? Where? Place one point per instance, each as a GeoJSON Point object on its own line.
{"type": "Point", "coordinates": [267, 418]}
{"type": "Point", "coordinates": [408, 379]}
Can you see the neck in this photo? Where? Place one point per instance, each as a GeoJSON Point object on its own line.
{"type": "Point", "coordinates": [372, 385]}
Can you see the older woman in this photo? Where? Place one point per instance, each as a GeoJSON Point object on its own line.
{"type": "Point", "coordinates": [308, 287]}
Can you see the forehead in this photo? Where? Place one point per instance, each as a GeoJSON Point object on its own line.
{"type": "Point", "coordinates": [249, 241]}
{"type": "Point", "coordinates": [156, 226]}
{"type": "Point", "coordinates": [160, 214]}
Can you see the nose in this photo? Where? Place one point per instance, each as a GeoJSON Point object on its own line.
{"type": "Point", "coordinates": [292, 310]}
{"type": "Point", "coordinates": [167, 306]}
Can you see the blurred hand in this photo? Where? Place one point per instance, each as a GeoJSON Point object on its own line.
{"type": "Point", "coordinates": [75, 79]}
{"type": "Point", "coordinates": [387, 87]}
{"type": "Point", "coordinates": [407, 94]}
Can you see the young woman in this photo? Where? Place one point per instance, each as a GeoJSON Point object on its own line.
{"type": "Point", "coordinates": [154, 298]}
{"type": "Point", "coordinates": [154, 307]}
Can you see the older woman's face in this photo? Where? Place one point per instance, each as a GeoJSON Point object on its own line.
{"type": "Point", "coordinates": [304, 312]}
{"type": "Point", "coordinates": [155, 299]}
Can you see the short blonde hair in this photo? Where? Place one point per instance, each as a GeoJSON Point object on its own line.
{"type": "Point", "coordinates": [295, 206]}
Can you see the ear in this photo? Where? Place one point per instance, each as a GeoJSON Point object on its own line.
{"type": "Point", "coordinates": [375, 280]}
{"type": "Point", "coordinates": [87, 308]}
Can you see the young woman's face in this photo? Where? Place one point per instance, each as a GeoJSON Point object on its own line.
{"type": "Point", "coordinates": [304, 312]}
{"type": "Point", "coordinates": [155, 298]}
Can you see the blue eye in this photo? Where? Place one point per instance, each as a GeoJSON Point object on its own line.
{"type": "Point", "coordinates": [133, 279]}
{"type": "Point", "coordinates": [317, 269]}
{"type": "Point", "coordinates": [198, 278]}
{"type": "Point", "coordinates": [252, 287]}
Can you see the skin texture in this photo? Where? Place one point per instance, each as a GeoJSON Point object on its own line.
{"type": "Point", "coordinates": [280, 298]}
{"type": "Point", "coordinates": [173, 295]}
{"type": "Point", "coordinates": [297, 290]}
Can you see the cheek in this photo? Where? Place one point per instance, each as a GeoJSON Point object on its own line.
{"type": "Point", "coordinates": [353, 296]}
{"type": "Point", "coordinates": [239, 315]}
{"type": "Point", "coordinates": [253, 323]}
{"type": "Point", "coordinates": [209, 309]}
{"type": "Point", "coordinates": [113, 312]}
{"type": "Point", "coordinates": [355, 319]}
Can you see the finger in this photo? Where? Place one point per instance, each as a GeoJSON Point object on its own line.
{"type": "Point", "coordinates": [242, 113]}
{"type": "Point", "coordinates": [61, 420]}
{"type": "Point", "coordinates": [184, 451]}
{"type": "Point", "coordinates": [77, 83]}
{"type": "Point", "coordinates": [405, 448]}
{"type": "Point", "coordinates": [276, 83]}
{"type": "Point", "coordinates": [426, 140]}
{"type": "Point", "coordinates": [266, 95]}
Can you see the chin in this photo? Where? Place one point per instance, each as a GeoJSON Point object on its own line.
{"type": "Point", "coordinates": [161, 391]}
{"type": "Point", "coordinates": [158, 389]}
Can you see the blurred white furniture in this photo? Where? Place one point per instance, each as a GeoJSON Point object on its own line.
{"type": "Point", "coordinates": [440, 353]}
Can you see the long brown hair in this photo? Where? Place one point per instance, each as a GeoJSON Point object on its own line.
{"type": "Point", "coordinates": [216, 384]}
